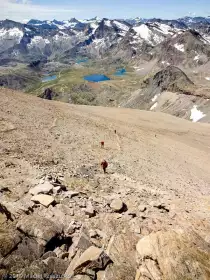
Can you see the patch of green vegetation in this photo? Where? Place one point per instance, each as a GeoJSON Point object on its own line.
{"type": "Point", "coordinates": [71, 86]}
{"type": "Point", "coordinates": [83, 98]}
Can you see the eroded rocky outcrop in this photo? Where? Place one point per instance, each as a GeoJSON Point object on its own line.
{"type": "Point", "coordinates": [175, 255]}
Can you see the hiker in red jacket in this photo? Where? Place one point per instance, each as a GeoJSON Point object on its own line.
{"type": "Point", "coordinates": [102, 144]}
{"type": "Point", "coordinates": [104, 165]}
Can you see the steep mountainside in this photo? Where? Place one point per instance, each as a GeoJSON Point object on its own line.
{"type": "Point", "coordinates": [146, 218]}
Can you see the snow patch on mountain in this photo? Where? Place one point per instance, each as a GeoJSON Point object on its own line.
{"type": "Point", "coordinates": [197, 57]}
{"type": "Point", "coordinates": [153, 106]}
{"type": "Point", "coordinates": [151, 33]}
{"type": "Point", "coordinates": [179, 47]}
{"type": "Point", "coordinates": [13, 33]}
{"type": "Point", "coordinates": [38, 41]}
{"type": "Point", "coordinates": [155, 97]}
{"type": "Point", "coordinates": [165, 28]}
{"type": "Point", "coordinates": [108, 23]}
{"type": "Point", "coordinates": [196, 114]}
{"type": "Point", "coordinates": [143, 31]}
{"type": "Point", "coordinates": [121, 25]}
{"type": "Point", "coordinates": [165, 63]}
{"type": "Point", "coordinates": [99, 42]}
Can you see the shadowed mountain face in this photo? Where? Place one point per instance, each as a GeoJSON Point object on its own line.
{"type": "Point", "coordinates": [171, 79]}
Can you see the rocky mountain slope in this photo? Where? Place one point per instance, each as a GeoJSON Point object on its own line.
{"type": "Point", "coordinates": [146, 218]}
{"type": "Point", "coordinates": [171, 91]}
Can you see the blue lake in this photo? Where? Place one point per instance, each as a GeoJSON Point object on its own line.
{"type": "Point", "coordinates": [120, 72]}
{"type": "Point", "coordinates": [96, 78]}
{"type": "Point", "coordinates": [82, 60]}
{"type": "Point", "coordinates": [49, 78]}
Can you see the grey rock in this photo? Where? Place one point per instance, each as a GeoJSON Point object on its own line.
{"type": "Point", "coordinates": [36, 268]}
{"type": "Point", "coordinates": [43, 199]}
{"type": "Point", "coordinates": [24, 254]}
{"type": "Point", "coordinates": [117, 205]}
{"type": "Point", "coordinates": [131, 212]}
{"type": "Point", "coordinates": [57, 190]}
{"type": "Point", "coordinates": [93, 258]}
{"type": "Point", "coordinates": [9, 239]}
{"type": "Point", "coordinates": [63, 210]}
{"type": "Point", "coordinates": [45, 188]}
{"type": "Point", "coordinates": [142, 208]}
{"type": "Point", "coordinates": [83, 242]}
{"type": "Point", "coordinates": [58, 251]}
{"type": "Point", "coordinates": [73, 226]}
{"type": "Point", "coordinates": [82, 203]}
{"type": "Point", "coordinates": [48, 254]}
{"type": "Point", "coordinates": [89, 210]}
{"type": "Point", "coordinates": [14, 209]}
{"type": "Point", "coordinates": [70, 194]}
{"type": "Point", "coordinates": [121, 250]}
{"type": "Point", "coordinates": [93, 233]}
{"type": "Point", "coordinates": [38, 227]}
{"type": "Point", "coordinates": [56, 265]}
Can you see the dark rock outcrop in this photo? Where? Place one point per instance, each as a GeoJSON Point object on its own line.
{"type": "Point", "coordinates": [49, 94]}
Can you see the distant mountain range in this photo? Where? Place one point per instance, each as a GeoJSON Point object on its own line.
{"type": "Point", "coordinates": [185, 40]}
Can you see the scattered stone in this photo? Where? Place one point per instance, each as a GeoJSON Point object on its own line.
{"type": "Point", "coordinates": [73, 226]}
{"type": "Point", "coordinates": [82, 203]}
{"type": "Point", "coordinates": [64, 255]}
{"type": "Point", "coordinates": [101, 234]}
{"type": "Point", "coordinates": [70, 194]}
{"type": "Point", "coordinates": [45, 188]}
{"type": "Point", "coordinates": [93, 233]}
{"type": "Point", "coordinates": [142, 208]}
{"type": "Point", "coordinates": [57, 190]}
{"type": "Point", "coordinates": [49, 254]}
{"type": "Point", "coordinates": [43, 199]}
{"type": "Point", "coordinates": [118, 216]}
{"type": "Point", "coordinates": [64, 210]}
{"type": "Point", "coordinates": [4, 189]}
{"type": "Point", "coordinates": [131, 212]}
{"type": "Point", "coordinates": [58, 251]}
{"type": "Point", "coordinates": [93, 258]}
{"type": "Point", "coordinates": [160, 206]}
{"type": "Point", "coordinates": [137, 230]}
{"type": "Point", "coordinates": [117, 205]}
{"type": "Point", "coordinates": [89, 210]}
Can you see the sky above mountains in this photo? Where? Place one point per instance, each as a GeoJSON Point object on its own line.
{"type": "Point", "coordinates": [81, 9]}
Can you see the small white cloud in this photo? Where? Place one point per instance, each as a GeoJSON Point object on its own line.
{"type": "Point", "coordinates": [20, 9]}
